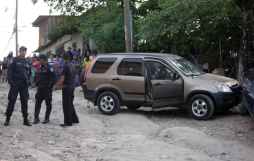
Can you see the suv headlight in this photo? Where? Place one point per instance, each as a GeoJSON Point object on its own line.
{"type": "Point", "coordinates": [222, 87]}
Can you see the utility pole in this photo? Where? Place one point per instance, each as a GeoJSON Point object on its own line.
{"type": "Point", "coordinates": [127, 26]}
{"type": "Point", "coordinates": [16, 27]}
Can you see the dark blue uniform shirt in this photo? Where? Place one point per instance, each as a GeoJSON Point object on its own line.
{"type": "Point", "coordinates": [19, 70]}
{"type": "Point", "coordinates": [47, 77]}
{"type": "Point", "coordinates": [69, 73]}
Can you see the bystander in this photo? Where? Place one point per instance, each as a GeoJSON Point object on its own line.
{"type": "Point", "coordinates": [76, 64]}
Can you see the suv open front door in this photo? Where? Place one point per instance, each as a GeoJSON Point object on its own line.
{"type": "Point", "coordinates": [163, 86]}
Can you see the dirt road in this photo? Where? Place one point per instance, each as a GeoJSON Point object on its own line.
{"type": "Point", "coordinates": [142, 135]}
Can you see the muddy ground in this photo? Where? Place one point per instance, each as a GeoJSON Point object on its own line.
{"type": "Point", "coordinates": [141, 135]}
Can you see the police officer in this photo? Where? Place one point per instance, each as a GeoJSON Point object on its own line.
{"type": "Point", "coordinates": [44, 91]}
{"type": "Point", "coordinates": [68, 79]}
{"type": "Point", "coordinates": [19, 75]}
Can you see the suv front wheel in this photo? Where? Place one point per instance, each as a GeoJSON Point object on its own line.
{"type": "Point", "coordinates": [108, 103]}
{"type": "Point", "coordinates": [201, 107]}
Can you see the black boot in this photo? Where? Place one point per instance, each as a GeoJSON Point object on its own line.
{"type": "Point", "coordinates": [26, 122]}
{"type": "Point", "coordinates": [48, 111]}
{"type": "Point", "coordinates": [7, 121]}
{"type": "Point", "coordinates": [36, 113]}
{"type": "Point", "coordinates": [46, 120]}
{"type": "Point", "coordinates": [36, 120]}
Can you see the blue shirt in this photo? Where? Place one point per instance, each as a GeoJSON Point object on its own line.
{"type": "Point", "coordinates": [60, 63]}
{"type": "Point", "coordinates": [76, 62]}
{"type": "Point", "coordinates": [74, 52]}
{"type": "Point", "coordinates": [23, 60]}
{"type": "Point", "coordinates": [19, 70]}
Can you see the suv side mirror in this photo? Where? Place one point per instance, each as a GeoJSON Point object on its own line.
{"type": "Point", "coordinates": [176, 76]}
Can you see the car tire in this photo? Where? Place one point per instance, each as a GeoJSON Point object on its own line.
{"type": "Point", "coordinates": [243, 110]}
{"type": "Point", "coordinates": [133, 107]}
{"type": "Point", "coordinates": [108, 103]}
{"type": "Point", "coordinates": [201, 107]}
{"type": "Point", "coordinates": [82, 76]}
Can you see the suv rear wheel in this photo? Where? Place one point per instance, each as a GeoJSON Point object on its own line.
{"type": "Point", "coordinates": [201, 107]}
{"type": "Point", "coordinates": [108, 103]}
{"type": "Point", "coordinates": [133, 107]}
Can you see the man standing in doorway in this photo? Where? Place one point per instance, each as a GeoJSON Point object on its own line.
{"type": "Point", "coordinates": [19, 76]}
{"type": "Point", "coordinates": [87, 49]}
{"type": "Point", "coordinates": [70, 53]}
{"type": "Point", "coordinates": [74, 51]}
{"type": "Point", "coordinates": [68, 79]}
{"type": "Point", "coordinates": [44, 92]}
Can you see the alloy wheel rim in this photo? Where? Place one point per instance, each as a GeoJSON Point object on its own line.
{"type": "Point", "coordinates": [199, 107]}
{"type": "Point", "coordinates": [107, 103]}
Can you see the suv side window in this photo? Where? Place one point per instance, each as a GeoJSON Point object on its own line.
{"type": "Point", "coordinates": [159, 71]}
{"type": "Point", "coordinates": [103, 64]}
{"type": "Point", "coordinates": [130, 67]}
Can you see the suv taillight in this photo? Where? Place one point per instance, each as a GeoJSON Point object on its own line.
{"type": "Point", "coordinates": [88, 69]}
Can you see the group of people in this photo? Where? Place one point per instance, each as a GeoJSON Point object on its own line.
{"type": "Point", "coordinates": [80, 61]}
{"type": "Point", "coordinates": [52, 74]}
{"type": "Point", "coordinates": [4, 65]}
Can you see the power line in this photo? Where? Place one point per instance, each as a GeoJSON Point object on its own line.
{"type": "Point", "coordinates": [9, 40]}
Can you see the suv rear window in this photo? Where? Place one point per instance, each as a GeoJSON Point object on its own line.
{"type": "Point", "coordinates": [103, 64]}
{"type": "Point", "coordinates": [130, 67]}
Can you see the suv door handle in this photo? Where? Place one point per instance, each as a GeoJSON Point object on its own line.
{"type": "Point", "coordinates": [116, 79]}
{"type": "Point", "coordinates": [158, 84]}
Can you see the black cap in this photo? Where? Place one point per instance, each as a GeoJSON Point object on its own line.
{"type": "Point", "coordinates": [43, 56]}
{"type": "Point", "coordinates": [22, 48]}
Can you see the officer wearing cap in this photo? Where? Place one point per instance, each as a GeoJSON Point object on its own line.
{"type": "Point", "coordinates": [68, 78]}
{"type": "Point", "coordinates": [44, 91]}
{"type": "Point", "coordinates": [19, 75]}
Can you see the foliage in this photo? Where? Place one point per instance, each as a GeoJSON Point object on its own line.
{"type": "Point", "coordinates": [66, 24]}
{"type": "Point", "coordinates": [105, 26]}
{"type": "Point", "coordinates": [195, 24]}
{"type": "Point", "coordinates": [191, 26]}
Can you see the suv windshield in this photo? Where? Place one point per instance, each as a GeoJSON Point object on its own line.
{"type": "Point", "coordinates": [186, 67]}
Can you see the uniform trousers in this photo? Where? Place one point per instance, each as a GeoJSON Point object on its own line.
{"type": "Point", "coordinates": [69, 111]}
{"type": "Point", "coordinates": [43, 94]}
{"type": "Point", "coordinates": [16, 89]}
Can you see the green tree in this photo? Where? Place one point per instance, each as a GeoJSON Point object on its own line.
{"type": "Point", "coordinates": [205, 25]}
{"type": "Point", "coordinates": [247, 35]}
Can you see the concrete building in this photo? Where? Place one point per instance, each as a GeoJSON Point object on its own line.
{"type": "Point", "coordinates": [59, 42]}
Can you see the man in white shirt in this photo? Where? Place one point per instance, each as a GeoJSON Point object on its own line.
{"type": "Point", "coordinates": [51, 62]}
{"type": "Point", "coordinates": [89, 54]}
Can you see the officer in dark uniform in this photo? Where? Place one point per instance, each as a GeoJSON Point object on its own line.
{"type": "Point", "coordinates": [68, 79]}
{"type": "Point", "coordinates": [19, 75]}
{"type": "Point", "coordinates": [45, 84]}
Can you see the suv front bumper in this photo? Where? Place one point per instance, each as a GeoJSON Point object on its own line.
{"type": "Point", "coordinates": [225, 100]}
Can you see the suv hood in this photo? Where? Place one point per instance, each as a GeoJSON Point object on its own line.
{"type": "Point", "coordinates": [217, 78]}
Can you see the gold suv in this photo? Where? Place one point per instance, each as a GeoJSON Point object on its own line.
{"type": "Point", "coordinates": [156, 80]}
